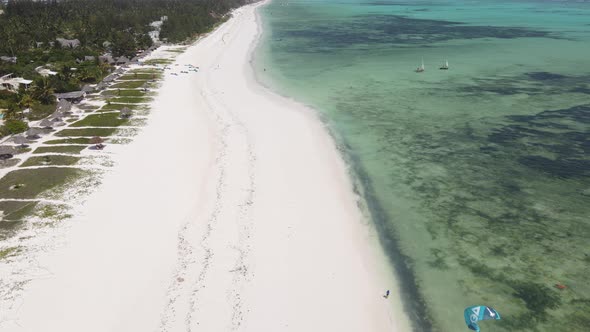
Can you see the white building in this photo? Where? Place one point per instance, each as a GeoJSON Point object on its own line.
{"type": "Point", "coordinates": [11, 83]}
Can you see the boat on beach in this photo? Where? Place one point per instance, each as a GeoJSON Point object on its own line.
{"type": "Point", "coordinates": [445, 65]}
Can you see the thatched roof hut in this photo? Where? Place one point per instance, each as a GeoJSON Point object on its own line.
{"type": "Point", "coordinates": [97, 141]}
{"type": "Point", "coordinates": [109, 78]}
{"type": "Point", "coordinates": [34, 133]}
{"type": "Point", "coordinates": [88, 88]}
{"type": "Point", "coordinates": [46, 123]}
{"type": "Point", "coordinates": [122, 60]}
{"type": "Point", "coordinates": [63, 106]}
{"type": "Point", "coordinates": [7, 152]}
{"type": "Point", "coordinates": [74, 96]}
{"type": "Point", "coordinates": [125, 113]}
{"type": "Point", "coordinates": [101, 86]}
{"type": "Point", "coordinates": [18, 139]}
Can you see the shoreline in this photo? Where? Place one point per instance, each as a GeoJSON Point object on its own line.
{"type": "Point", "coordinates": [397, 271]}
{"type": "Point", "coordinates": [254, 226]}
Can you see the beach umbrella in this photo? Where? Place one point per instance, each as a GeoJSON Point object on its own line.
{"type": "Point", "coordinates": [96, 140]}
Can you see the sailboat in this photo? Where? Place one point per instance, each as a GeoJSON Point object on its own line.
{"type": "Point", "coordinates": [445, 65]}
{"type": "Point", "coordinates": [421, 68]}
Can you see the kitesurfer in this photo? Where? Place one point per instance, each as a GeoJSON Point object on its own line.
{"type": "Point", "coordinates": [386, 294]}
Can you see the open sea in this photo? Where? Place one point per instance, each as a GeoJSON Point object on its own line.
{"type": "Point", "coordinates": [477, 177]}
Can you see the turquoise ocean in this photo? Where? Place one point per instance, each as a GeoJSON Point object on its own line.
{"type": "Point", "coordinates": [477, 177]}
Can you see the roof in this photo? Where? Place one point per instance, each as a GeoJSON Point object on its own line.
{"type": "Point", "coordinates": [87, 88]}
{"type": "Point", "coordinates": [19, 139]}
{"type": "Point", "coordinates": [106, 58]}
{"type": "Point", "coordinates": [46, 123]}
{"type": "Point", "coordinates": [89, 58]}
{"type": "Point", "coordinates": [101, 86]}
{"type": "Point", "coordinates": [110, 78]}
{"type": "Point", "coordinates": [73, 43]}
{"type": "Point", "coordinates": [123, 59]}
{"type": "Point", "coordinates": [126, 111]}
{"type": "Point", "coordinates": [63, 106]}
{"type": "Point", "coordinates": [35, 131]}
{"type": "Point", "coordinates": [23, 81]}
{"type": "Point", "coordinates": [6, 149]}
{"type": "Point", "coordinates": [8, 58]}
{"type": "Point", "coordinates": [70, 95]}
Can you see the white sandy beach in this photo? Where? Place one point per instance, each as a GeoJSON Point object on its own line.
{"type": "Point", "coordinates": [231, 211]}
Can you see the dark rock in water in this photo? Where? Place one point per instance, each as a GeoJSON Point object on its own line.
{"type": "Point", "coordinates": [545, 76]}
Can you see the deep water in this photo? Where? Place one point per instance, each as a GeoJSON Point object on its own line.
{"type": "Point", "coordinates": [477, 177]}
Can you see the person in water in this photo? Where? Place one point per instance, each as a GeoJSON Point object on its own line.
{"type": "Point", "coordinates": [386, 294]}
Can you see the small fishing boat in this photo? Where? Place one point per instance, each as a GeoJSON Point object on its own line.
{"type": "Point", "coordinates": [445, 65]}
{"type": "Point", "coordinates": [421, 68]}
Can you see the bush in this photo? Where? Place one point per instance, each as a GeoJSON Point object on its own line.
{"type": "Point", "coordinates": [13, 127]}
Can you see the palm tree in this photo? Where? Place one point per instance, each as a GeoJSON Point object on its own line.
{"type": "Point", "coordinates": [26, 101]}
{"type": "Point", "coordinates": [43, 92]}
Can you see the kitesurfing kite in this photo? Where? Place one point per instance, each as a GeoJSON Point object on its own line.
{"type": "Point", "coordinates": [479, 312]}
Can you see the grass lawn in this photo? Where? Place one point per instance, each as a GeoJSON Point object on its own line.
{"type": "Point", "coordinates": [51, 160]}
{"type": "Point", "coordinates": [87, 107]}
{"type": "Point", "coordinates": [81, 140]}
{"type": "Point", "coordinates": [129, 85]}
{"type": "Point", "coordinates": [140, 76]}
{"type": "Point", "coordinates": [29, 183]}
{"type": "Point", "coordinates": [130, 100]}
{"type": "Point", "coordinates": [123, 93]}
{"type": "Point", "coordinates": [60, 149]}
{"type": "Point", "coordinates": [117, 107]}
{"type": "Point", "coordinates": [100, 120]}
{"type": "Point", "coordinates": [16, 210]}
{"type": "Point", "coordinates": [86, 132]}
{"type": "Point", "coordinates": [158, 61]}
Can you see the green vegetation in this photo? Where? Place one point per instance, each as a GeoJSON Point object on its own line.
{"type": "Point", "coordinates": [81, 140]}
{"type": "Point", "coordinates": [100, 120]}
{"type": "Point", "coordinates": [158, 62]}
{"type": "Point", "coordinates": [51, 160]}
{"type": "Point", "coordinates": [129, 85]}
{"type": "Point", "coordinates": [15, 210]}
{"type": "Point", "coordinates": [123, 93]}
{"type": "Point", "coordinates": [117, 107]}
{"type": "Point", "coordinates": [86, 132]}
{"type": "Point", "coordinates": [130, 100]}
{"type": "Point", "coordinates": [60, 149]}
{"type": "Point", "coordinates": [55, 212]}
{"type": "Point", "coordinates": [140, 76]}
{"type": "Point", "coordinates": [29, 183]}
{"type": "Point", "coordinates": [13, 126]}
{"type": "Point", "coordinates": [40, 111]}
{"type": "Point", "coordinates": [4, 253]}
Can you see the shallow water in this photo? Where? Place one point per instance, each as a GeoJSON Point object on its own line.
{"type": "Point", "coordinates": [477, 177]}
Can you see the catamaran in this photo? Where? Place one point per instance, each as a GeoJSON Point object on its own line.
{"type": "Point", "coordinates": [445, 66]}
{"type": "Point", "coordinates": [421, 68]}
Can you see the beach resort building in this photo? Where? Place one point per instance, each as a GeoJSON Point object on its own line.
{"type": "Point", "coordinates": [5, 58]}
{"type": "Point", "coordinates": [71, 43]}
{"type": "Point", "coordinates": [45, 72]}
{"type": "Point", "coordinates": [10, 83]}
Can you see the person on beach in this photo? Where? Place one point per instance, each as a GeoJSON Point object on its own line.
{"type": "Point", "coordinates": [386, 294]}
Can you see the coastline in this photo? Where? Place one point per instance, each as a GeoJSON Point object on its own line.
{"type": "Point", "coordinates": [254, 226]}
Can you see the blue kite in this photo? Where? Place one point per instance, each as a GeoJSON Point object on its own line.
{"type": "Point", "coordinates": [479, 312]}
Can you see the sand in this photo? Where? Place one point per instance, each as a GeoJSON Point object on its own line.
{"type": "Point", "coordinates": [232, 210]}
